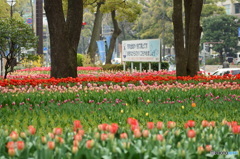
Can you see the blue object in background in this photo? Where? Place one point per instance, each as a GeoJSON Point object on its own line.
{"type": "Point", "coordinates": [101, 50]}
{"type": "Point", "coordinates": [238, 32]}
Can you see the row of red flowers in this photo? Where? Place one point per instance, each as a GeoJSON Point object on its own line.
{"type": "Point", "coordinates": [56, 81]}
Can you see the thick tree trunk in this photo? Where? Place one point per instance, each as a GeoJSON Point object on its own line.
{"type": "Point", "coordinates": [64, 36]}
{"type": "Point", "coordinates": [116, 32]}
{"type": "Point", "coordinates": [193, 11]}
{"type": "Point", "coordinates": [95, 33]}
{"type": "Point", "coordinates": [187, 58]}
{"type": "Point", "coordinates": [181, 58]}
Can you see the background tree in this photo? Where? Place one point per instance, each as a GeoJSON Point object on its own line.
{"type": "Point", "coordinates": [14, 35]}
{"type": "Point", "coordinates": [96, 28]}
{"type": "Point", "coordinates": [64, 36]}
{"type": "Point", "coordinates": [223, 29]}
{"type": "Point", "coordinates": [120, 11]}
{"type": "Point", "coordinates": [187, 35]}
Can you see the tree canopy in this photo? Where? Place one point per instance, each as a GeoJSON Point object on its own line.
{"type": "Point", "coordinates": [222, 29]}
{"type": "Point", "coordinates": [15, 35]}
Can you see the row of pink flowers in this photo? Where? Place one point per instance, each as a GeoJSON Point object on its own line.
{"type": "Point", "coordinates": [49, 69]}
{"type": "Point", "coordinates": [117, 87]}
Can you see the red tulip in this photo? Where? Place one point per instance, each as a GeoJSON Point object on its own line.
{"type": "Point", "coordinates": [160, 125]}
{"type": "Point", "coordinates": [132, 121]}
{"type": "Point", "coordinates": [191, 123]}
{"type": "Point", "coordinates": [171, 124]}
{"type": "Point", "coordinates": [103, 127]}
{"type": "Point", "coordinates": [89, 144]}
{"type": "Point", "coordinates": [150, 125]}
{"type": "Point", "coordinates": [236, 129]}
{"type": "Point", "coordinates": [51, 145]}
{"type": "Point", "coordinates": [20, 145]}
{"type": "Point", "coordinates": [191, 133]}
{"type": "Point", "coordinates": [57, 131]}
{"type": "Point", "coordinates": [10, 144]}
{"type": "Point", "coordinates": [77, 125]}
{"type": "Point", "coordinates": [31, 130]}
{"type": "Point", "coordinates": [205, 123]}
{"type": "Point", "coordinates": [113, 128]}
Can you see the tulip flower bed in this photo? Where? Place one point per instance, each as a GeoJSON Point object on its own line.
{"type": "Point", "coordinates": [88, 116]}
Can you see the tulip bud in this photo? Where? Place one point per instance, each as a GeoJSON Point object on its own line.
{"type": "Point", "coordinates": [126, 145]}
{"type": "Point", "coordinates": [123, 136]}
{"type": "Point", "coordinates": [183, 153]}
{"type": "Point", "coordinates": [44, 139]}
{"type": "Point", "coordinates": [13, 135]}
{"type": "Point", "coordinates": [23, 135]}
{"type": "Point", "coordinates": [145, 133]}
{"type": "Point", "coordinates": [200, 150]}
{"type": "Point", "coordinates": [159, 137]}
{"type": "Point", "coordinates": [208, 148]}
{"type": "Point", "coordinates": [104, 137]}
{"type": "Point", "coordinates": [11, 152]}
{"type": "Point", "coordinates": [89, 144]}
{"type": "Point", "coordinates": [51, 145]}
{"type": "Point", "coordinates": [137, 133]}
{"type": "Point", "coordinates": [74, 149]}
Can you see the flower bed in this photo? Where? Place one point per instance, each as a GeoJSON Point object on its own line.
{"type": "Point", "coordinates": [88, 116]}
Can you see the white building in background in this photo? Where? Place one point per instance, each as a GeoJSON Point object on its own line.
{"type": "Point", "coordinates": [230, 7]}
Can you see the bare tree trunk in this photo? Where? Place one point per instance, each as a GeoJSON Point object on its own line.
{"type": "Point", "coordinates": [187, 51]}
{"type": "Point", "coordinates": [181, 58]}
{"type": "Point", "coordinates": [95, 33]}
{"type": "Point", "coordinates": [116, 32]}
{"type": "Point", "coordinates": [193, 11]}
{"type": "Point", "coordinates": [64, 36]}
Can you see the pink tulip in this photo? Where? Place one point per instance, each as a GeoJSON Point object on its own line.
{"type": "Point", "coordinates": [123, 136]}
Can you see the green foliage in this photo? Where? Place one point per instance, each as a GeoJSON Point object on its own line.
{"type": "Point", "coordinates": [126, 10]}
{"type": "Point", "coordinates": [15, 34]}
{"type": "Point", "coordinates": [223, 29]}
{"type": "Point", "coordinates": [80, 58]}
{"type": "Point", "coordinates": [145, 65]}
{"type": "Point", "coordinates": [213, 61]}
{"type": "Point", "coordinates": [115, 67]}
{"type": "Point", "coordinates": [211, 9]}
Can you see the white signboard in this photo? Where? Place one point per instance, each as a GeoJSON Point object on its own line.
{"type": "Point", "coordinates": [141, 50]}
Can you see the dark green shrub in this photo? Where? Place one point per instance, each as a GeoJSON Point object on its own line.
{"type": "Point", "coordinates": [213, 61]}
{"type": "Point", "coordinates": [115, 67]}
{"type": "Point", "coordinates": [145, 65]}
